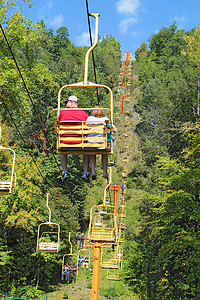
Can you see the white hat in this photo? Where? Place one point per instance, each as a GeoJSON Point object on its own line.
{"type": "Point", "coordinates": [71, 98]}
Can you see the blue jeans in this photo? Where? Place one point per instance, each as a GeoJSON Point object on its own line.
{"type": "Point", "coordinates": [74, 273]}
{"type": "Point", "coordinates": [67, 275]}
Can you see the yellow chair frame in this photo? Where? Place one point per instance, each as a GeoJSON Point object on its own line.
{"type": "Point", "coordinates": [101, 232]}
{"type": "Point", "coordinates": [49, 246]}
{"type": "Point", "coordinates": [82, 144]}
{"type": "Point", "coordinates": [6, 186]}
{"type": "Point", "coordinates": [86, 252]}
{"type": "Point", "coordinates": [113, 276]}
{"type": "Point", "coordinates": [84, 147]}
{"type": "Point", "coordinates": [115, 261]}
{"type": "Point", "coordinates": [70, 254]}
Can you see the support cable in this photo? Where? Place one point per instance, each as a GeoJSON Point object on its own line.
{"type": "Point", "coordinates": [21, 137]}
{"type": "Point", "coordinates": [88, 17]}
{"type": "Point", "coordinates": [26, 88]}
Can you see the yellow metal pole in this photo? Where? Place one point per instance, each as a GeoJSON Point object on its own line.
{"type": "Point", "coordinates": [92, 47]}
{"type": "Point", "coordinates": [96, 270]}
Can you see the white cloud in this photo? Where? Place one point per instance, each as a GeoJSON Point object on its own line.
{"type": "Point", "coordinates": [128, 7]}
{"type": "Point", "coordinates": [47, 7]}
{"type": "Point", "coordinates": [83, 39]}
{"type": "Point", "coordinates": [57, 21]}
{"type": "Point", "coordinates": [124, 25]}
{"type": "Point", "coordinates": [179, 21]}
{"type": "Point", "coordinates": [156, 31]}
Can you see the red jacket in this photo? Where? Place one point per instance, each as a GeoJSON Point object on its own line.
{"type": "Point", "coordinates": [72, 115]}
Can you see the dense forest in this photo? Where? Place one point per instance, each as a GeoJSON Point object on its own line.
{"type": "Point", "coordinates": [162, 247]}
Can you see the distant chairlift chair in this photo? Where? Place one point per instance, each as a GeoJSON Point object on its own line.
{"type": "Point", "coordinates": [48, 237]}
{"type": "Point", "coordinates": [8, 177]}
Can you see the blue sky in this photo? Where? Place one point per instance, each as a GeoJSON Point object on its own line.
{"type": "Point", "coordinates": [131, 22]}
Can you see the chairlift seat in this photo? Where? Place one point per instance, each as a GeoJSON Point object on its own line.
{"type": "Point", "coordinates": [98, 224]}
{"type": "Point", "coordinates": [103, 212]}
{"type": "Point", "coordinates": [122, 215]}
{"type": "Point", "coordinates": [52, 245]}
{"type": "Point", "coordinates": [116, 276]}
{"type": "Point", "coordinates": [122, 226]}
{"type": "Point", "coordinates": [77, 139]}
{"type": "Point", "coordinates": [5, 187]}
{"type": "Point", "coordinates": [105, 234]}
{"type": "Point", "coordinates": [122, 206]}
{"type": "Point", "coordinates": [121, 238]}
{"type": "Point", "coordinates": [48, 247]}
{"type": "Point", "coordinates": [110, 263]}
{"type": "Point", "coordinates": [124, 174]}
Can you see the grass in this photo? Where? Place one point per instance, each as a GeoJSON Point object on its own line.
{"type": "Point", "coordinates": [81, 290]}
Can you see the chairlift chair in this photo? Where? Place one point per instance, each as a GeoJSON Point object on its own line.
{"type": "Point", "coordinates": [106, 232]}
{"type": "Point", "coordinates": [113, 259]}
{"type": "Point", "coordinates": [74, 139]}
{"type": "Point", "coordinates": [124, 174]}
{"type": "Point", "coordinates": [122, 212]}
{"type": "Point", "coordinates": [114, 275]}
{"type": "Point", "coordinates": [121, 221]}
{"type": "Point", "coordinates": [121, 237]}
{"type": "Point", "coordinates": [125, 159]}
{"type": "Point", "coordinates": [84, 252]}
{"type": "Point", "coordinates": [122, 226]}
{"type": "Point", "coordinates": [126, 123]}
{"type": "Point", "coordinates": [8, 177]}
{"type": "Point", "coordinates": [48, 241]}
{"type": "Point", "coordinates": [70, 257]}
{"type": "Point", "coordinates": [48, 236]}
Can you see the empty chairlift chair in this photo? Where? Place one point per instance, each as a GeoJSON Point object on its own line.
{"type": "Point", "coordinates": [111, 258]}
{"type": "Point", "coordinates": [114, 275]}
{"type": "Point", "coordinates": [7, 175]}
{"type": "Point", "coordinates": [103, 225]}
{"type": "Point", "coordinates": [48, 237]}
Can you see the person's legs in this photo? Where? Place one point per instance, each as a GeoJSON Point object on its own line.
{"type": "Point", "coordinates": [70, 272]}
{"type": "Point", "coordinates": [63, 158]}
{"type": "Point", "coordinates": [63, 275]}
{"type": "Point", "coordinates": [85, 163]}
{"type": "Point", "coordinates": [93, 163]}
{"type": "Point", "coordinates": [74, 272]}
{"type": "Point", "coordinates": [85, 176]}
{"type": "Point", "coordinates": [67, 275]}
{"type": "Point", "coordinates": [79, 245]}
{"type": "Point", "coordinates": [104, 160]}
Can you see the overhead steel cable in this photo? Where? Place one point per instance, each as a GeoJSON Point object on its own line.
{"type": "Point", "coordinates": [26, 88]}
{"type": "Point", "coordinates": [88, 17]}
{"type": "Point", "coordinates": [21, 136]}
